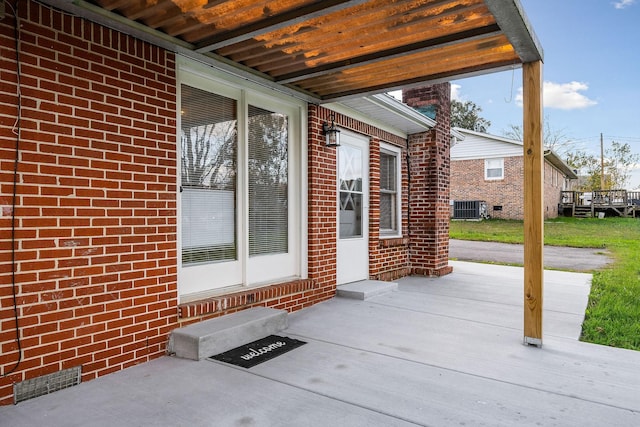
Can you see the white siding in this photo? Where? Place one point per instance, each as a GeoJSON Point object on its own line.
{"type": "Point", "coordinates": [475, 146]}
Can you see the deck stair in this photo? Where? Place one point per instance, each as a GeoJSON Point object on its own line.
{"type": "Point", "coordinates": [582, 212]}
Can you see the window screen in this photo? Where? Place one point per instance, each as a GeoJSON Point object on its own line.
{"type": "Point", "coordinates": [208, 176]}
{"type": "Point", "coordinates": [268, 182]}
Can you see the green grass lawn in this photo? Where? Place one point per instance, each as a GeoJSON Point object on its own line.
{"type": "Point", "coordinates": [613, 313]}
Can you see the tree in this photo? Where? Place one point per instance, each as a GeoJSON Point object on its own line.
{"type": "Point", "coordinates": [621, 161]}
{"type": "Point", "coordinates": [588, 167]}
{"type": "Point", "coordinates": [209, 155]}
{"type": "Point", "coordinates": [618, 162]}
{"type": "Point", "coordinates": [553, 139]}
{"type": "Point", "coordinates": [466, 115]}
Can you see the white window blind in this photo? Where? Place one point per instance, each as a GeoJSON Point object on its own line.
{"type": "Point", "coordinates": [494, 168]}
{"type": "Point", "coordinates": [208, 176]}
{"type": "Point", "coordinates": [268, 174]}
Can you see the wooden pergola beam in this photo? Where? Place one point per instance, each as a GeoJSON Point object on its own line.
{"type": "Point", "coordinates": [424, 46]}
{"type": "Point", "coordinates": [293, 17]}
{"type": "Point", "coordinates": [533, 203]}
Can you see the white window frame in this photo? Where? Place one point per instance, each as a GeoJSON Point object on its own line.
{"type": "Point", "coordinates": [487, 168]}
{"type": "Point", "coordinates": [397, 153]}
{"type": "Point", "coordinates": [259, 270]}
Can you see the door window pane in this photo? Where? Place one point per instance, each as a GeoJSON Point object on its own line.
{"type": "Point", "coordinates": [350, 214]}
{"type": "Point", "coordinates": [208, 176]}
{"type": "Point", "coordinates": [268, 176]}
{"type": "Point", "coordinates": [350, 178]}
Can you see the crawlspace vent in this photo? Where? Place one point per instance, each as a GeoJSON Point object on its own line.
{"type": "Point", "coordinates": [46, 384]}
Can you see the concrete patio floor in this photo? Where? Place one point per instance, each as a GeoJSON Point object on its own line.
{"type": "Point", "coordinates": [436, 352]}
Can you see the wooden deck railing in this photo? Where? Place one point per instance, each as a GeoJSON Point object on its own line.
{"type": "Point", "coordinates": [625, 203]}
{"type": "Point", "coordinates": [610, 198]}
{"type": "Point", "coordinates": [600, 198]}
{"type": "Point", "coordinates": [567, 198]}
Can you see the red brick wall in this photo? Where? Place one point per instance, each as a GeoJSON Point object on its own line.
{"type": "Point", "coordinates": [388, 258]}
{"type": "Point", "coordinates": [95, 246]}
{"type": "Point", "coordinates": [321, 204]}
{"type": "Point", "coordinates": [553, 180]}
{"type": "Point", "coordinates": [95, 270]}
{"type": "Point", "coordinates": [468, 183]}
{"type": "Point", "coordinates": [430, 170]}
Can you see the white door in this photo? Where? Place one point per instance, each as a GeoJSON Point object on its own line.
{"type": "Point", "coordinates": [353, 209]}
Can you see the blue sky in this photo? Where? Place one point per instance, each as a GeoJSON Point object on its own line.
{"type": "Point", "coordinates": [591, 74]}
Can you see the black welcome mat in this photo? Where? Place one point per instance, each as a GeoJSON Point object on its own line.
{"type": "Point", "coordinates": [258, 351]}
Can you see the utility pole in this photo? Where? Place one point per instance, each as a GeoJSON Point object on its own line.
{"type": "Point", "coordinates": [601, 163]}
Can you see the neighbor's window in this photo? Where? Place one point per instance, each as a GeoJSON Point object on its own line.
{"type": "Point", "coordinates": [390, 190]}
{"type": "Point", "coordinates": [494, 169]}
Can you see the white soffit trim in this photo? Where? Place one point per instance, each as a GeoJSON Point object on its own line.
{"type": "Point", "coordinates": [386, 113]}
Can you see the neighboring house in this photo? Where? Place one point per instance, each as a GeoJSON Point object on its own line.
{"type": "Point", "coordinates": [489, 168]}
{"type": "Point", "coordinates": [153, 179]}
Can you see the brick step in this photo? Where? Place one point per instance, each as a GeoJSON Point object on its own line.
{"type": "Point", "coordinates": [200, 340]}
{"type": "Point", "coordinates": [365, 289]}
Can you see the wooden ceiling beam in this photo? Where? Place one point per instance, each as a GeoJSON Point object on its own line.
{"type": "Point", "coordinates": [141, 11]}
{"type": "Point", "coordinates": [298, 36]}
{"type": "Point", "coordinates": [419, 47]}
{"type": "Point", "coordinates": [419, 80]}
{"type": "Point", "coordinates": [295, 59]}
{"type": "Point", "coordinates": [264, 26]}
{"type": "Point", "coordinates": [277, 66]}
{"type": "Point", "coordinates": [339, 45]}
{"type": "Point", "coordinates": [515, 25]}
{"type": "Point", "coordinates": [389, 73]}
{"type": "Point", "coordinates": [407, 67]}
{"type": "Point", "coordinates": [340, 35]}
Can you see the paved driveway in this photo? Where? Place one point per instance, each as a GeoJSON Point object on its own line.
{"type": "Point", "coordinates": [555, 257]}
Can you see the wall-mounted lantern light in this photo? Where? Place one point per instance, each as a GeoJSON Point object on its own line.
{"type": "Point", "coordinates": [331, 132]}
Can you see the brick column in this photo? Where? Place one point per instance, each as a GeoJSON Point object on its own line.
{"type": "Point", "coordinates": [322, 206]}
{"type": "Point", "coordinates": [429, 187]}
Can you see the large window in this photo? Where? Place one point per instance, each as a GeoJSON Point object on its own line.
{"type": "Point", "coordinates": [390, 217]}
{"type": "Point", "coordinates": [494, 169]}
{"type": "Point", "coordinates": [240, 186]}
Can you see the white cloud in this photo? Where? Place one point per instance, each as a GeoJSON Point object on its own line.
{"type": "Point", "coordinates": [563, 96]}
{"type": "Point", "coordinates": [623, 3]}
{"type": "Point", "coordinates": [455, 92]}
{"type": "Point", "coordinates": [566, 96]}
